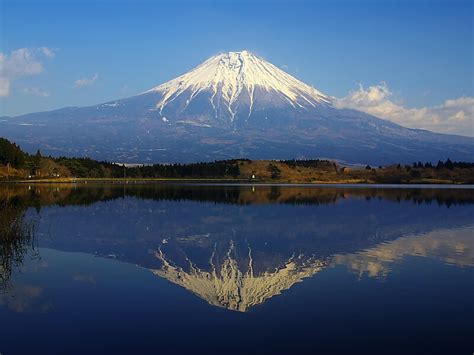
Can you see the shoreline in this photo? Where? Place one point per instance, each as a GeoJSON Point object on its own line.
{"type": "Point", "coordinates": [230, 181]}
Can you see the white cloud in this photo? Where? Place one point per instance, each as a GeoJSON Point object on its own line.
{"type": "Point", "coordinates": [86, 81]}
{"type": "Point", "coordinates": [4, 87]}
{"type": "Point", "coordinates": [48, 52]}
{"type": "Point", "coordinates": [20, 63]}
{"type": "Point", "coordinates": [455, 116]}
{"type": "Point", "coordinates": [35, 91]}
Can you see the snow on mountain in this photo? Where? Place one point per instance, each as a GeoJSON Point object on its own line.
{"type": "Point", "coordinates": [236, 287]}
{"type": "Point", "coordinates": [234, 76]}
{"type": "Point", "coordinates": [234, 105]}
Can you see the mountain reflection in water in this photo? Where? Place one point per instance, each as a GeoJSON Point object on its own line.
{"type": "Point", "coordinates": [237, 246]}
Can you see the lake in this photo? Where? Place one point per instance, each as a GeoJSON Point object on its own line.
{"type": "Point", "coordinates": [201, 269]}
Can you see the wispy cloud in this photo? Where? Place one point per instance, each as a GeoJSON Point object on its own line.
{"type": "Point", "coordinates": [85, 81]}
{"type": "Point", "coordinates": [20, 63]}
{"type": "Point", "coordinates": [35, 91]}
{"type": "Point", "coordinates": [48, 52]}
{"type": "Point", "coordinates": [455, 116]}
{"type": "Point", "coordinates": [4, 87]}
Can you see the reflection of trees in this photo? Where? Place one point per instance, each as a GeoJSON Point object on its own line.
{"type": "Point", "coordinates": [81, 194]}
{"type": "Point", "coordinates": [16, 238]}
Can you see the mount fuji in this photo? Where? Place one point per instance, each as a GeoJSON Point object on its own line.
{"type": "Point", "coordinates": [234, 105]}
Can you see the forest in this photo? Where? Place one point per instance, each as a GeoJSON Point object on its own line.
{"type": "Point", "coordinates": [15, 164]}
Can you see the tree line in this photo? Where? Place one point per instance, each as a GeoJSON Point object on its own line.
{"type": "Point", "coordinates": [448, 164]}
{"type": "Point", "coordinates": [12, 155]}
{"type": "Point", "coordinates": [36, 165]}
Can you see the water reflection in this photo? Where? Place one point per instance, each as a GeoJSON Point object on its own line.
{"type": "Point", "coordinates": [451, 246]}
{"type": "Point", "coordinates": [232, 282]}
{"type": "Point", "coordinates": [16, 238]}
{"type": "Point", "coordinates": [24, 298]}
{"type": "Point", "coordinates": [236, 247]}
{"type": "Point", "coordinates": [85, 194]}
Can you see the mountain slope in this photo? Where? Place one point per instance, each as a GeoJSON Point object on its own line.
{"type": "Point", "coordinates": [234, 105]}
{"type": "Point", "coordinates": [234, 83]}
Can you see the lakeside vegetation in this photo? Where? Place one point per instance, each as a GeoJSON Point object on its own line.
{"type": "Point", "coordinates": [16, 165]}
{"type": "Point", "coordinates": [16, 238]}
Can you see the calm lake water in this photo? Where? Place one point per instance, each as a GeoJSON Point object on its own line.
{"type": "Point", "coordinates": [168, 269]}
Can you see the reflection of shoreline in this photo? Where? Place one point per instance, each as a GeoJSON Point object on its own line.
{"type": "Point", "coordinates": [70, 194]}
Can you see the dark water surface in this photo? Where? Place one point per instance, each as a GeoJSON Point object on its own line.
{"type": "Point", "coordinates": [168, 269]}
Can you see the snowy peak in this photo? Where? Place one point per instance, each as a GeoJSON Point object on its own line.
{"type": "Point", "coordinates": [236, 286]}
{"type": "Point", "coordinates": [234, 78]}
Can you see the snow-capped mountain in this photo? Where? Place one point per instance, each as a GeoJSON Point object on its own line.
{"type": "Point", "coordinates": [235, 84]}
{"type": "Point", "coordinates": [234, 105]}
{"type": "Point", "coordinates": [236, 285]}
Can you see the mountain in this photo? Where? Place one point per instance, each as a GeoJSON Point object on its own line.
{"type": "Point", "coordinates": [233, 89]}
{"type": "Point", "coordinates": [234, 105]}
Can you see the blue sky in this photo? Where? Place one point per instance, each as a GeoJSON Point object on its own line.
{"type": "Point", "coordinates": [419, 52]}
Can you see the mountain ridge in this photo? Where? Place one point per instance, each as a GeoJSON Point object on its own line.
{"type": "Point", "coordinates": [234, 105]}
